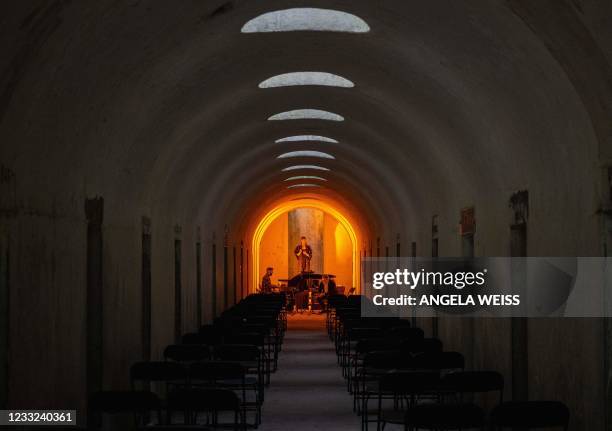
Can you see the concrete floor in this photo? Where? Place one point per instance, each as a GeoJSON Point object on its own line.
{"type": "Point", "coordinates": [308, 392]}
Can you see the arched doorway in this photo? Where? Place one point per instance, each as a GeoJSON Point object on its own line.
{"type": "Point", "coordinates": [338, 241]}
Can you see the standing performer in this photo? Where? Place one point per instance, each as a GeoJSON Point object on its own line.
{"type": "Point", "coordinates": [303, 253]}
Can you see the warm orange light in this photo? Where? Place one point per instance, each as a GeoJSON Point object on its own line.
{"type": "Point", "coordinates": [343, 241]}
{"type": "Point", "coordinates": [303, 203]}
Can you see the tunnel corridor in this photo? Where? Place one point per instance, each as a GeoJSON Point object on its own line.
{"type": "Point", "coordinates": [147, 146]}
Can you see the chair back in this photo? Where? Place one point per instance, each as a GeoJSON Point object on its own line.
{"type": "Point", "coordinates": [411, 336]}
{"type": "Point", "coordinates": [192, 338]}
{"type": "Point", "coordinates": [203, 400]}
{"type": "Point", "coordinates": [531, 414]}
{"type": "Point", "coordinates": [124, 402]}
{"type": "Point", "coordinates": [250, 338]}
{"type": "Point", "coordinates": [186, 352]}
{"type": "Point", "coordinates": [438, 361]}
{"type": "Point", "coordinates": [157, 372]}
{"type": "Point", "coordinates": [446, 416]}
{"type": "Point", "coordinates": [384, 360]}
{"type": "Point", "coordinates": [367, 345]}
{"type": "Point", "coordinates": [237, 352]}
{"type": "Point", "coordinates": [215, 370]}
{"type": "Point", "coordinates": [138, 403]}
{"type": "Point", "coordinates": [474, 382]}
{"type": "Point", "coordinates": [210, 335]}
{"type": "Point", "coordinates": [407, 383]}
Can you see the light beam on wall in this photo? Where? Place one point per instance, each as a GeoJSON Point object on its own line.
{"type": "Point", "coordinates": [306, 78]}
{"type": "Point", "coordinates": [306, 138]}
{"type": "Point", "coordinates": [305, 167]}
{"type": "Point", "coordinates": [306, 114]}
{"type": "Point", "coordinates": [306, 153]}
{"type": "Point", "coordinates": [305, 177]}
{"type": "Point", "coordinates": [299, 186]}
{"type": "Point", "coordinates": [306, 19]}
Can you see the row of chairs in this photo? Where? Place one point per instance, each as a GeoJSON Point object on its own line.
{"type": "Point", "coordinates": [213, 378]}
{"type": "Point", "coordinates": [397, 376]}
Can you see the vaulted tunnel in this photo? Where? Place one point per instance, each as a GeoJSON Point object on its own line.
{"type": "Point", "coordinates": [140, 129]}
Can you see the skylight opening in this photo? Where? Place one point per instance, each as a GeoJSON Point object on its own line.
{"type": "Point", "coordinates": [306, 138]}
{"type": "Point", "coordinates": [306, 78]}
{"type": "Point", "coordinates": [304, 167]}
{"type": "Point", "coordinates": [306, 153]}
{"type": "Point", "coordinates": [295, 186]}
{"type": "Point", "coordinates": [306, 19]}
{"type": "Point", "coordinates": [306, 114]}
{"type": "Point", "coordinates": [306, 177]}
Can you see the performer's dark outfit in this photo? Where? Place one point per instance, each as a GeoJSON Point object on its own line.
{"type": "Point", "coordinates": [304, 255]}
{"type": "Point", "coordinates": [331, 288]}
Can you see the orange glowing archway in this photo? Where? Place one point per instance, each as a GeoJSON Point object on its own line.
{"type": "Point", "coordinates": [303, 203]}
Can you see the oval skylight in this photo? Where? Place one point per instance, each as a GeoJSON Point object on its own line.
{"type": "Point", "coordinates": [306, 138]}
{"type": "Point", "coordinates": [306, 114]}
{"type": "Point", "coordinates": [306, 78]}
{"type": "Point", "coordinates": [306, 19]}
{"type": "Point", "coordinates": [306, 153]}
{"type": "Point", "coordinates": [295, 186]}
{"type": "Point", "coordinates": [305, 177]}
{"type": "Point", "coordinates": [301, 167]}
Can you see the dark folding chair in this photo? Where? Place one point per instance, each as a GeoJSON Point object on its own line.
{"type": "Point", "coordinates": [265, 328]}
{"type": "Point", "coordinates": [333, 303]}
{"type": "Point", "coordinates": [168, 428]}
{"type": "Point", "coordinates": [355, 300]}
{"type": "Point", "coordinates": [530, 414]}
{"type": "Point", "coordinates": [253, 339]}
{"type": "Point", "coordinates": [374, 365]}
{"type": "Point", "coordinates": [138, 403]}
{"type": "Point", "coordinates": [416, 346]}
{"type": "Point", "coordinates": [210, 335]}
{"type": "Point", "coordinates": [445, 417]}
{"type": "Point", "coordinates": [250, 358]}
{"type": "Point", "coordinates": [352, 338]}
{"type": "Point", "coordinates": [473, 382]}
{"type": "Point", "coordinates": [170, 373]}
{"type": "Point", "coordinates": [369, 345]}
{"type": "Point", "coordinates": [395, 322]}
{"type": "Point", "coordinates": [408, 334]}
{"type": "Point", "coordinates": [192, 402]}
{"type": "Point", "coordinates": [442, 361]}
{"type": "Point", "coordinates": [186, 353]}
{"type": "Point", "coordinates": [431, 345]}
{"type": "Point", "coordinates": [224, 375]}
{"type": "Point", "coordinates": [404, 386]}
{"type": "Point", "coordinates": [192, 338]}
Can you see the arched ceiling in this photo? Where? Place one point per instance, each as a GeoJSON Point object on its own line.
{"type": "Point", "coordinates": [157, 107]}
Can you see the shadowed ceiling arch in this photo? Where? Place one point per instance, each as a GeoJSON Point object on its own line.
{"type": "Point", "coordinates": [431, 116]}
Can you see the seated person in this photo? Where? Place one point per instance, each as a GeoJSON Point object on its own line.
{"type": "Point", "coordinates": [301, 295]}
{"type": "Point", "coordinates": [301, 300]}
{"type": "Point", "coordinates": [328, 288]}
{"type": "Point", "coordinates": [330, 285]}
{"type": "Point", "coordinates": [266, 281]}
